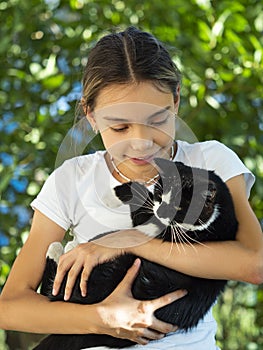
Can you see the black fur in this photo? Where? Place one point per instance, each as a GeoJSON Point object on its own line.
{"type": "Point", "coordinates": [196, 194]}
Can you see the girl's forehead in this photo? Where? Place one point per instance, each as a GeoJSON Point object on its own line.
{"type": "Point", "coordinates": [133, 112]}
{"type": "Point", "coordinates": [142, 92]}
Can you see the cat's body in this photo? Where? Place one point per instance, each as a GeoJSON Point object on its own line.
{"type": "Point", "coordinates": [188, 205]}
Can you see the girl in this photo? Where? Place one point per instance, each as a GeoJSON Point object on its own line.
{"type": "Point", "coordinates": [130, 95]}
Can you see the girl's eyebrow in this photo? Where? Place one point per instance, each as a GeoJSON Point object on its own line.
{"type": "Point", "coordinates": [123, 120]}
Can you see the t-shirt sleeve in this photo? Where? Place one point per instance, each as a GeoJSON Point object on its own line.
{"type": "Point", "coordinates": [227, 164]}
{"type": "Point", "coordinates": [52, 200]}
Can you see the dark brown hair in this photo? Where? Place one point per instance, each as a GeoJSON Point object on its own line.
{"type": "Point", "coordinates": [130, 56]}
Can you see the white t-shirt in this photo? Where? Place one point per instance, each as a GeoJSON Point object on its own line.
{"type": "Point", "coordinates": [73, 196]}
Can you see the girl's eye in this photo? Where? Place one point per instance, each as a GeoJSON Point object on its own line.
{"type": "Point", "coordinates": [119, 129]}
{"type": "Point", "coordinates": [159, 122]}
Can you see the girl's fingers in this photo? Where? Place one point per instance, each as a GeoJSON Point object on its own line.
{"type": "Point", "coordinates": [163, 327]}
{"type": "Point", "coordinates": [168, 298]}
{"type": "Point", "coordinates": [152, 335]}
{"type": "Point", "coordinates": [141, 341]}
{"type": "Point", "coordinates": [148, 335]}
{"type": "Point", "coordinates": [61, 272]}
{"type": "Point", "coordinates": [84, 278]}
{"type": "Point", "coordinates": [71, 279]}
{"type": "Point", "coordinates": [126, 284]}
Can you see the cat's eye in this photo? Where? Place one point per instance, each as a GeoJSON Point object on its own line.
{"type": "Point", "coordinates": [208, 194]}
{"type": "Point", "coordinates": [177, 208]}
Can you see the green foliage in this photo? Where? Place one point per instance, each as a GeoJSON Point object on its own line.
{"type": "Point", "coordinates": [44, 46]}
{"type": "Point", "coordinates": [236, 312]}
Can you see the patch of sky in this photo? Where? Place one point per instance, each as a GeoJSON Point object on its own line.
{"type": "Point", "coordinates": [5, 85]}
{"type": "Point", "coordinates": [63, 65]}
{"type": "Point", "coordinates": [75, 93]}
{"type": "Point", "coordinates": [62, 104]}
{"type": "Point", "coordinates": [257, 102]}
{"type": "Point", "coordinates": [23, 215]}
{"type": "Point", "coordinates": [19, 64]}
{"type": "Point", "coordinates": [52, 4]}
{"type": "Point", "coordinates": [43, 110]}
{"type": "Point", "coordinates": [35, 88]}
{"type": "Point", "coordinates": [10, 196]}
{"type": "Point", "coordinates": [7, 125]}
{"type": "Point", "coordinates": [222, 98]}
{"type": "Point", "coordinates": [4, 241]}
{"type": "Point", "coordinates": [17, 84]}
{"type": "Point", "coordinates": [19, 104]}
{"type": "Point", "coordinates": [6, 159]}
{"type": "Point", "coordinates": [4, 209]}
{"type": "Point", "coordinates": [77, 135]}
{"type": "Point", "coordinates": [19, 185]}
{"type": "Point", "coordinates": [211, 84]}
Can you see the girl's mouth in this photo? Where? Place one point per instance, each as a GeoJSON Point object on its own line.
{"type": "Point", "coordinates": [142, 160]}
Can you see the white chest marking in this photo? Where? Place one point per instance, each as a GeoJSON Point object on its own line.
{"type": "Point", "coordinates": [150, 230]}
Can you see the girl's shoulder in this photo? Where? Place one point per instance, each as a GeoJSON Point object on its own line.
{"type": "Point", "coordinates": [203, 146]}
{"type": "Point", "coordinates": [214, 155]}
{"type": "Point", "coordinates": [202, 153]}
{"type": "Point", "coordinates": [81, 163]}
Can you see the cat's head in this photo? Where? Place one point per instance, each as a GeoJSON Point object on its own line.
{"type": "Point", "coordinates": [185, 196]}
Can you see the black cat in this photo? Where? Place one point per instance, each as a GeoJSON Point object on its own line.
{"type": "Point", "coordinates": [188, 205]}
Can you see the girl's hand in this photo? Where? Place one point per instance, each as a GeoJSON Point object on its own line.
{"type": "Point", "coordinates": [124, 317]}
{"type": "Point", "coordinates": [85, 256]}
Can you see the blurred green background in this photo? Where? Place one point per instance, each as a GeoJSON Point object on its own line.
{"type": "Point", "coordinates": [43, 48]}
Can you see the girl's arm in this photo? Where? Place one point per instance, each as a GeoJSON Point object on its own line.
{"type": "Point", "coordinates": [236, 260]}
{"type": "Point", "coordinates": [23, 309]}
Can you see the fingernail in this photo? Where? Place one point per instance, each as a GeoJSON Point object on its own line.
{"type": "Point", "coordinates": [54, 291]}
{"type": "Point", "coordinates": [66, 298]}
{"type": "Point", "coordinates": [136, 262]}
{"type": "Point", "coordinates": [184, 291]}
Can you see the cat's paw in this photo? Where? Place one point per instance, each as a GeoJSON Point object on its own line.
{"type": "Point", "coordinates": [111, 200]}
{"type": "Point", "coordinates": [55, 250]}
{"type": "Point", "coordinates": [70, 245]}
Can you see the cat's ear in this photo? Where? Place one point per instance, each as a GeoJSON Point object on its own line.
{"type": "Point", "coordinates": [123, 192]}
{"type": "Point", "coordinates": [127, 193]}
{"type": "Point", "coordinates": [131, 192]}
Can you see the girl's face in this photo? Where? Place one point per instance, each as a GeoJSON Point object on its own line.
{"type": "Point", "coordinates": [137, 124]}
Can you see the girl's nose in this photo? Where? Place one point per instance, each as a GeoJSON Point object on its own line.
{"type": "Point", "coordinates": [141, 144]}
{"type": "Point", "coordinates": [141, 138]}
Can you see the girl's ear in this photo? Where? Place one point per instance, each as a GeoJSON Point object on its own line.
{"type": "Point", "coordinates": [88, 113]}
{"type": "Point", "coordinates": [177, 99]}
{"type": "Point", "coordinates": [84, 105]}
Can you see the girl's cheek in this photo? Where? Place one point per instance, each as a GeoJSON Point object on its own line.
{"type": "Point", "coordinates": [164, 137]}
{"type": "Point", "coordinates": [117, 148]}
